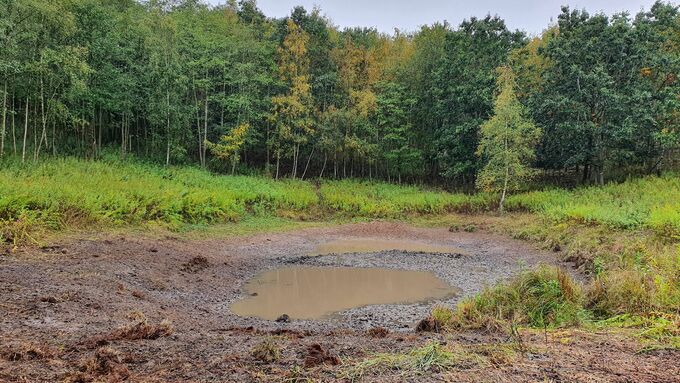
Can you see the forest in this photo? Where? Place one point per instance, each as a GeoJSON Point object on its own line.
{"type": "Point", "coordinates": [227, 88]}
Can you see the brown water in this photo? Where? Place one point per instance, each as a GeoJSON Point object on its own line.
{"type": "Point", "coordinates": [314, 292]}
{"type": "Point", "coordinates": [375, 245]}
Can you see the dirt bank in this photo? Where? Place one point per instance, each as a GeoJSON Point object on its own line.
{"type": "Point", "coordinates": [140, 309]}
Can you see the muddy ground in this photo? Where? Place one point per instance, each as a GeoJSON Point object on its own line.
{"type": "Point", "coordinates": [157, 310]}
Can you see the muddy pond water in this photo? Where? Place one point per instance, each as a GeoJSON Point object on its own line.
{"type": "Point", "coordinates": [316, 292]}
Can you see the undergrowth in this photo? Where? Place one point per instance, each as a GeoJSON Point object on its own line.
{"type": "Point", "coordinates": [432, 357]}
{"type": "Point", "coordinates": [55, 194]}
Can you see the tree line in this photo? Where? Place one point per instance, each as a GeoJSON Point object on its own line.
{"type": "Point", "coordinates": [228, 88]}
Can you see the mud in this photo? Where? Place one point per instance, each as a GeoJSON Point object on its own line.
{"type": "Point", "coordinates": [177, 293]}
{"type": "Point", "coordinates": [374, 245]}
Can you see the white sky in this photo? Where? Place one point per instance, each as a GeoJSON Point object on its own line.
{"type": "Point", "coordinates": [408, 15]}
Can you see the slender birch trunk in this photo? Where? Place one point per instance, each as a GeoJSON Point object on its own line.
{"type": "Point", "coordinates": [4, 121]}
{"type": "Point", "coordinates": [23, 150]}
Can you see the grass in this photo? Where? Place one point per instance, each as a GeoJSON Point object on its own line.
{"type": "Point", "coordinates": [646, 203]}
{"type": "Point", "coordinates": [59, 194]}
{"type": "Point", "coordinates": [543, 298]}
{"type": "Point", "coordinates": [432, 357]}
{"type": "Point", "coordinates": [657, 329]}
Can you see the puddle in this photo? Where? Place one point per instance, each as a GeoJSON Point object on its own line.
{"type": "Point", "coordinates": [376, 245]}
{"type": "Point", "coordinates": [315, 292]}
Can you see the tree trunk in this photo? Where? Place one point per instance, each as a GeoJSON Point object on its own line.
{"type": "Point", "coordinates": [507, 177]}
{"type": "Point", "coordinates": [4, 121]}
{"type": "Point", "coordinates": [122, 137]}
{"type": "Point", "coordinates": [205, 130]}
{"type": "Point", "coordinates": [325, 158]}
{"type": "Point", "coordinates": [278, 161]}
{"type": "Point", "coordinates": [14, 130]}
{"type": "Point", "coordinates": [23, 150]}
{"type": "Point", "coordinates": [198, 127]}
{"type": "Point", "coordinates": [308, 161]}
{"type": "Point", "coordinates": [167, 128]}
{"type": "Point", "coordinates": [505, 189]}
{"type": "Point", "coordinates": [99, 139]}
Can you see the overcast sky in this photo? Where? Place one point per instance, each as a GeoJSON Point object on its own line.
{"type": "Point", "coordinates": [408, 15]}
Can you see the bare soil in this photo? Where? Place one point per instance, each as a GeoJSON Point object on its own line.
{"type": "Point", "coordinates": [157, 310]}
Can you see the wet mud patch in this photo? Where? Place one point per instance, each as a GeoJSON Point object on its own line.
{"type": "Point", "coordinates": [373, 245]}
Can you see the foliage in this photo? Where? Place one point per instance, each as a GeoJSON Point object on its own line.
{"type": "Point", "coordinates": [507, 141]}
{"type": "Point", "coordinates": [649, 203]}
{"type": "Point", "coordinates": [160, 79]}
{"type": "Point", "coordinates": [230, 144]}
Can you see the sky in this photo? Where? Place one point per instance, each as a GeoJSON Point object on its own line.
{"type": "Point", "coordinates": [531, 16]}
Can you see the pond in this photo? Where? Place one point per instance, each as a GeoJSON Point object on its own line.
{"type": "Point", "coordinates": [315, 292]}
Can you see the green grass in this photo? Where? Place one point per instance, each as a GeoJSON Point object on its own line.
{"type": "Point", "coordinates": [60, 193]}
{"type": "Point", "coordinates": [646, 203]}
{"type": "Point", "coordinates": [431, 357]}
{"type": "Point", "coordinates": [544, 298]}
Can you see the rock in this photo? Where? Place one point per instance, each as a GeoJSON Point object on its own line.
{"type": "Point", "coordinates": [283, 319]}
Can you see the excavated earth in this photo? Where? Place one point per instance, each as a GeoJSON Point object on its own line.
{"type": "Point", "coordinates": [158, 310]}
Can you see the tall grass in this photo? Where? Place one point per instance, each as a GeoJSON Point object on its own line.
{"type": "Point", "coordinates": [646, 203]}
{"type": "Point", "coordinates": [67, 192]}
{"type": "Point", "coordinates": [545, 297]}
{"type": "Point", "coordinates": [59, 193]}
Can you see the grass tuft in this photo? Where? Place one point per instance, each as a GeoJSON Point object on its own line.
{"type": "Point", "coordinates": [545, 297]}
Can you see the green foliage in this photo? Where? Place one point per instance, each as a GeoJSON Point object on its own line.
{"type": "Point", "coordinates": [545, 297]}
{"type": "Point", "coordinates": [386, 200]}
{"type": "Point", "coordinates": [507, 141]}
{"type": "Point", "coordinates": [159, 79]}
{"type": "Point", "coordinates": [116, 193]}
{"type": "Point", "coordinates": [431, 357]}
{"type": "Point", "coordinates": [657, 331]}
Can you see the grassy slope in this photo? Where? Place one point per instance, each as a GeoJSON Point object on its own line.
{"type": "Point", "coordinates": [58, 194]}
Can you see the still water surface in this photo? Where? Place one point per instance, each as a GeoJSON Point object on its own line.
{"type": "Point", "coordinates": [315, 292]}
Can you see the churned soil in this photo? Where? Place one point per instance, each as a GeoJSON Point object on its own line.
{"type": "Point", "coordinates": [139, 309]}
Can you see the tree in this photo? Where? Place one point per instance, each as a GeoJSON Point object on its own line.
{"type": "Point", "coordinates": [292, 110]}
{"type": "Point", "coordinates": [463, 92]}
{"type": "Point", "coordinates": [507, 141]}
{"type": "Point", "coordinates": [228, 147]}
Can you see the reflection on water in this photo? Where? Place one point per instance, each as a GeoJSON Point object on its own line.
{"type": "Point", "coordinates": [313, 292]}
{"type": "Point", "coordinates": [375, 245]}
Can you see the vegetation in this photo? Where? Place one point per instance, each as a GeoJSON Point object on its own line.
{"type": "Point", "coordinates": [546, 297]}
{"type": "Point", "coordinates": [507, 141]}
{"type": "Point", "coordinates": [227, 88]}
{"type": "Point", "coordinates": [433, 357]}
{"type": "Point", "coordinates": [113, 192]}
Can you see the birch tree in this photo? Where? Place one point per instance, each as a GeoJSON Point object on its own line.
{"type": "Point", "coordinates": [508, 140]}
